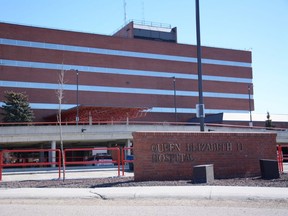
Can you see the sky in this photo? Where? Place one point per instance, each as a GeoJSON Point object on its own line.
{"type": "Point", "coordinates": [260, 26]}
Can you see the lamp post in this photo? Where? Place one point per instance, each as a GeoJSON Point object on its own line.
{"type": "Point", "coordinates": [175, 104]}
{"type": "Point", "coordinates": [200, 106]}
{"type": "Point", "coordinates": [77, 97]}
{"type": "Point", "coordinates": [250, 105]}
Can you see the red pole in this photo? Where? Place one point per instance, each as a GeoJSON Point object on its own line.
{"type": "Point", "coordinates": [280, 158]}
{"type": "Point", "coordinates": [118, 160]}
{"type": "Point", "coordinates": [123, 162]}
{"type": "Point", "coordinates": [1, 164]}
{"type": "Point", "coordinates": [64, 155]}
{"type": "Point", "coordinates": [281, 155]}
{"type": "Point", "coordinates": [59, 163]}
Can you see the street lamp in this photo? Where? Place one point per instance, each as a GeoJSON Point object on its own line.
{"type": "Point", "coordinates": [77, 97]}
{"type": "Point", "coordinates": [200, 106]}
{"type": "Point", "coordinates": [175, 104]}
{"type": "Point", "coordinates": [250, 105]}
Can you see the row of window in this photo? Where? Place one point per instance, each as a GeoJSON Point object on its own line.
{"type": "Point", "coordinates": [118, 52]}
{"type": "Point", "coordinates": [51, 86]}
{"type": "Point", "coordinates": [40, 65]}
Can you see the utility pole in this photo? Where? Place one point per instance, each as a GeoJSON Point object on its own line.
{"type": "Point", "coordinates": [200, 106]}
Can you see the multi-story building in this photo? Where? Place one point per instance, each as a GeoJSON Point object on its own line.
{"type": "Point", "coordinates": [141, 66]}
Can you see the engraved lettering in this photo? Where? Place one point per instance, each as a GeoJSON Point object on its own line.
{"type": "Point", "coordinates": [171, 158]}
{"type": "Point", "coordinates": [239, 146]}
{"type": "Point", "coordinates": [165, 147]}
{"type": "Point", "coordinates": [229, 146]}
{"type": "Point", "coordinates": [211, 147]}
{"type": "Point", "coordinates": [171, 152]}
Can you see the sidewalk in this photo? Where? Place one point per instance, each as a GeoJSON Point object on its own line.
{"type": "Point", "coordinates": [162, 192]}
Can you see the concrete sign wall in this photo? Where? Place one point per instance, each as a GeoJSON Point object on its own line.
{"type": "Point", "coordinates": [171, 156]}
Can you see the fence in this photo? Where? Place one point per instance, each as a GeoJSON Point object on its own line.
{"type": "Point", "coordinates": [114, 158]}
{"type": "Point", "coordinates": [30, 158]}
{"type": "Point", "coordinates": [55, 160]}
{"type": "Point", "coordinates": [125, 158]}
{"type": "Point", "coordinates": [282, 156]}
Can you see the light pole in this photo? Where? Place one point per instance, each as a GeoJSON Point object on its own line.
{"type": "Point", "coordinates": [175, 104]}
{"type": "Point", "coordinates": [77, 97]}
{"type": "Point", "coordinates": [200, 109]}
{"type": "Point", "coordinates": [250, 105]}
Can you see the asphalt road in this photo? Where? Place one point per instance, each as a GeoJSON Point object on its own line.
{"type": "Point", "coordinates": [140, 207]}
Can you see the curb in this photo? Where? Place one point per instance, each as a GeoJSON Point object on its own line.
{"type": "Point", "coordinates": [194, 192]}
{"type": "Point", "coordinates": [157, 192]}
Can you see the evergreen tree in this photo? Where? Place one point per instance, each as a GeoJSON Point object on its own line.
{"type": "Point", "coordinates": [16, 108]}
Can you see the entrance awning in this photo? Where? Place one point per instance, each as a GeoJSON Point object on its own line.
{"type": "Point", "coordinates": [88, 113]}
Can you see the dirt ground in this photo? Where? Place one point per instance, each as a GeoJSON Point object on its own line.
{"type": "Point", "coordinates": [129, 182]}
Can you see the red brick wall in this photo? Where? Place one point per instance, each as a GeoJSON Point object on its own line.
{"type": "Point", "coordinates": [172, 155]}
{"type": "Point", "coordinates": [40, 75]}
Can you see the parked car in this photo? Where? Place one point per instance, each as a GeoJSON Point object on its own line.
{"type": "Point", "coordinates": [101, 159]}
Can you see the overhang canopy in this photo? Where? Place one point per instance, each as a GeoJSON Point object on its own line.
{"type": "Point", "coordinates": [94, 113]}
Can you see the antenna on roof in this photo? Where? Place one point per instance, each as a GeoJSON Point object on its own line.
{"type": "Point", "coordinates": [124, 6]}
{"type": "Point", "coordinates": [143, 11]}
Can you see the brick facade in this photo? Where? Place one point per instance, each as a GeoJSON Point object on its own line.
{"type": "Point", "coordinates": [120, 72]}
{"type": "Point", "coordinates": [171, 156]}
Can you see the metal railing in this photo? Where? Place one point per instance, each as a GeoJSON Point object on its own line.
{"type": "Point", "coordinates": [124, 158]}
{"type": "Point", "coordinates": [6, 160]}
{"type": "Point", "coordinates": [72, 123]}
{"type": "Point", "coordinates": [72, 160]}
{"type": "Point", "coordinates": [281, 157]}
{"type": "Point", "coordinates": [143, 23]}
{"type": "Point", "coordinates": [29, 161]}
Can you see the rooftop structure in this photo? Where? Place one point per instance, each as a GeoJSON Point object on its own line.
{"type": "Point", "coordinates": [148, 31]}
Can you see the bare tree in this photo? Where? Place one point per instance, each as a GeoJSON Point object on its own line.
{"type": "Point", "coordinates": [60, 96]}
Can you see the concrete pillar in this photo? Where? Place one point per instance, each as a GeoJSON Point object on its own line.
{"type": "Point", "coordinates": [128, 144]}
{"type": "Point", "coordinates": [52, 155]}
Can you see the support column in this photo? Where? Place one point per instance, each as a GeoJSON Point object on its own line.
{"type": "Point", "coordinates": [128, 144]}
{"type": "Point", "coordinates": [52, 155]}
